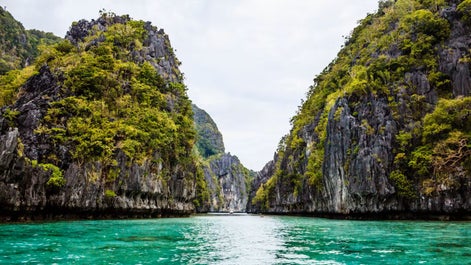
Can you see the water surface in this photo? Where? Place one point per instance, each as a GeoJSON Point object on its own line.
{"type": "Point", "coordinates": [236, 239]}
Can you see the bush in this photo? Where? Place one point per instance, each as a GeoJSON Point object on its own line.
{"type": "Point", "coordinates": [264, 193]}
{"type": "Point", "coordinates": [449, 114]}
{"type": "Point", "coordinates": [10, 116]}
{"type": "Point", "coordinates": [422, 29]}
{"type": "Point", "coordinates": [56, 179]}
{"type": "Point", "coordinates": [109, 194]}
{"type": "Point", "coordinates": [11, 82]}
{"type": "Point", "coordinates": [464, 9]}
{"type": "Point", "coordinates": [404, 186]}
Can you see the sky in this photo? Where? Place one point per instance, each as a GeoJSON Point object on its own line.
{"type": "Point", "coordinates": [248, 63]}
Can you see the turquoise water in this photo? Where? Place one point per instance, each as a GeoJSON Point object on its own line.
{"type": "Point", "coordinates": [236, 239]}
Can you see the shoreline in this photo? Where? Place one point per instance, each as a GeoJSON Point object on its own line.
{"type": "Point", "coordinates": [51, 216]}
{"type": "Point", "coordinates": [380, 216]}
{"type": "Point", "coordinates": [19, 217]}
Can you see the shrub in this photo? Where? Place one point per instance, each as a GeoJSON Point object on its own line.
{"type": "Point", "coordinates": [464, 9]}
{"type": "Point", "coordinates": [10, 116]}
{"type": "Point", "coordinates": [109, 194]}
{"type": "Point", "coordinates": [56, 179]}
{"type": "Point", "coordinates": [404, 186]}
{"type": "Point", "coordinates": [11, 82]}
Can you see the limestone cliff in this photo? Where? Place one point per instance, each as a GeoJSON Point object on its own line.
{"type": "Point", "coordinates": [259, 179]}
{"type": "Point", "coordinates": [226, 179]}
{"type": "Point", "coordinates": [385, 130]}
{"type": "Point", "coordinates": [101, 128]}
{"type": "Point", "coordinates": [18, 46]}
{"type": "Point", "coordinates": [228, 182]}
{"type": "Point", "coordinates": [209, 140]}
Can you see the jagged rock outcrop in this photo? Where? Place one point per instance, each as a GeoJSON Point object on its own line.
{"type": "Point", "coordinates": [384, 132]}
{"type": "Point", "coordinates": [228, 182]}
{"type": "Point", "coordinates": [260, 178]}
{"type": "Point", "coordinates": [72, 145]}
{"type": "Point", "coordinates": [24, 193]}
{"type": "Point", "coordinates": [226, 179]}
{"type": "Point", "coordinates": [156, 45]}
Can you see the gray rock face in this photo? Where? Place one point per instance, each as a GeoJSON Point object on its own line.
{"type": "Point", "coordinates": [92, 189]}
{"type": "Point", "coordinates": [228, 182]}
{"type": "Point", "coordinates": [457, 48]}
{"type": "Point", "coordinates": [156, 50]}
{"type": "Point", "coordinates": [357, 159]}
{"type": "Point", "coordinates": [260, 178]}
{"type": "Point", "coordinates": [226, 178]}
{"type": "Point", "coordinates": [361, 145]}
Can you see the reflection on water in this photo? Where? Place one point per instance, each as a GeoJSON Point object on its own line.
{"type": "Point", "coordinates": [236, 239]}
{"type": "Point", "coordinates": [226, 239]}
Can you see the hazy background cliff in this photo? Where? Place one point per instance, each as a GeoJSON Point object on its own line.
{"type": "Point", "coordinates": [227, 180]}
{"type": "Point", "coordinates": [18, 46]}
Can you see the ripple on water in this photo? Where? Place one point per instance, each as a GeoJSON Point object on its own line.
{"type": "Point", "coordinates": [242, 239]}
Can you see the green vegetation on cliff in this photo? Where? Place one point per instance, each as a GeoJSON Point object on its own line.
{"type": "Point", "coordinates": [223, 183]}
{"type": "Point", "coordinates": [400, 56]}
{"type": "Point", "coordinates": [110, 101]}
{"type": "Point", "coordinates": [209, 139]}
{"type": "Point", "coordinates": [19, 47]}
{"type": "Point", "coordinates": [113, 103]}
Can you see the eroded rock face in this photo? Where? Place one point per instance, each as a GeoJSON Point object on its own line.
{"type": "Point", "coordinates": [91, 189]}
{"type": "Point", "coordinates": [260, 178]}
{"type": "Point", "coordinates": [156, 46]}
{"type": "Point", "coordinates": [359, 187]}
{"type": "Point", "coordinates": [456, 48]}
{"type": "Point", "coordinates": [226, 178]}
{"type": "Point", "coordinates": [228, 182]}
{"type": "Point", "coordinates": [364, 141]}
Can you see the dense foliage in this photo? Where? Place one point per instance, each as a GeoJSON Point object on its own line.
{"type": "Point", "coordinates": [19, 47]}
{"type": "Point", "coordinates": [114, 103]}
{"type": "Point", "coordinates": [109, 103]}
{"type": "Point", "coordinates": [379, 60]}
{"type": "Point", "coordinates": [209, 139]}
{"type": "Point", "coordinates": [11, 82]}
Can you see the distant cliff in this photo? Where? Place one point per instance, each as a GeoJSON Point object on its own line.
{"type": "Point", "coordinates": [99, 126]}
{"type": "Point", "coordinates": [385, 131]}
{"type": "Point", "coordinates": [209, 138]}
{"type": "Point", "coordinates": [19, 47]}
{"type": "Point", "coordinates": [227, 181]}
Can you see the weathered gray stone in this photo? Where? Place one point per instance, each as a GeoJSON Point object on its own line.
{"type": "Point", "coordinates": [228, 182]}
{"type": "Point", "coordinates": [360, 146]}
{"type": "Point", "coordinates": [145, 189]}
{"type": "Point", "coordinates": [156, 50]}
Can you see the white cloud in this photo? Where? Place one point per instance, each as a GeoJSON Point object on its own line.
{"type": "Point", "coordinates": [247, 62]}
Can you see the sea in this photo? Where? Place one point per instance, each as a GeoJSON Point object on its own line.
{"type": "Point", "coordinates": [236, 239]}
